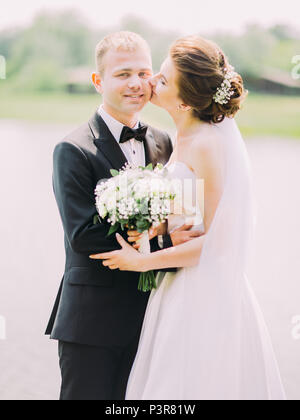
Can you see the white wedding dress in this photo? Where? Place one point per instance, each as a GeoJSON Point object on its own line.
{"type": "Point", "coordinates": [204, 336]}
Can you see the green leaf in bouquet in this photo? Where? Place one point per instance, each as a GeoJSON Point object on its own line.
{"type": "Point", "coordinates": [143, 225]}
{"type": "Point", "coordinates": [132, 223]}
{"type": "Point", "coordinates": [96, 219]}
{"type": "Point", "coordinates": [114, 172]}
{"type": "Point", "coordinates": [149, 167]}
{"type": "Point", "coordinates": [123, 224]}
{"type": "Point", "coordinates": [143, 207]}
{"type": "Point", "coordinates": [113, 229]}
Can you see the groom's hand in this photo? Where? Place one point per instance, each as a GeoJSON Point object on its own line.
{"type": "Point", "coordinates": [134, 236]}
{"type": "Point", "coordinates": [184, 234]}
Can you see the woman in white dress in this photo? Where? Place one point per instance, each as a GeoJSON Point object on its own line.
{"type": "Point", "coordinates": [203, 336]}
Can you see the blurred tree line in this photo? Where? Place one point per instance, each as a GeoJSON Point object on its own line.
{"type": "Point", "coordinates": [40, 56]}
{"type": "Point", "coordinates": [259, 49]}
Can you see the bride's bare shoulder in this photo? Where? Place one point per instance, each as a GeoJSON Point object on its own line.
{"type": "Point", "coordinates": [206, 148]}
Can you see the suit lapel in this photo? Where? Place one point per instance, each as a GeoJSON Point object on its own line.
{"type": "Point", "coordinates": [106, 142]}
{"type": "Point", "coordinates": [109, 147]}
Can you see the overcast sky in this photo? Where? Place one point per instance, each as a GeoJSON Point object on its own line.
{"type": "Point", "coordinates": [186, 16]}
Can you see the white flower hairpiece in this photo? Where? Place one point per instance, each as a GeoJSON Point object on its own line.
{"type": "Point", "coordinates": [223, 93]}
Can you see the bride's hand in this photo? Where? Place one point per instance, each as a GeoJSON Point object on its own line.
{"type": "Point", "coordinates": [183, 234]}
{"type": "Point", "coordinates": [124, 259]}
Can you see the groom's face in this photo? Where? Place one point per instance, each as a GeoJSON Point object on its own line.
{"type": "Point", "coordinates": [124, 83]}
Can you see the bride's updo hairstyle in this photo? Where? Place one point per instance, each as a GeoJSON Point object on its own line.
{"type": "Point", "coordinates": [202, 67]}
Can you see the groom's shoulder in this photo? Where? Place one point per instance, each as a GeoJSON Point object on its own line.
{"type": "Point", "coordinates": [80, 138]}
{"type": "Point", "coordinates": [162, 139]}
{"type": "Point", "coordinates": [160, 135]}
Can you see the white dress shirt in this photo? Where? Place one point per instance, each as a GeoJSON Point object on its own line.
{"type": "Point", "coordinates": [133, 149]}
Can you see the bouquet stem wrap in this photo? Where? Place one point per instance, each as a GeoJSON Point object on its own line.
{"type": "Point", "coordinates": [146, 280]}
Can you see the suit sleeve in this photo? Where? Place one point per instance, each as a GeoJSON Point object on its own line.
{"type": "Point", "coordinates": [73, 186]}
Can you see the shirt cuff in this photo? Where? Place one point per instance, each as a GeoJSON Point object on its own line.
{"type": "Point", "coordinates": [164, 241]}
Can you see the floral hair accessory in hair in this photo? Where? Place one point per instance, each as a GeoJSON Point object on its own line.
{"type": "Point", "coordinates": [223, 93]}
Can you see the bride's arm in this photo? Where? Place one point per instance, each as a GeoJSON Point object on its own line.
{"type": "Point", "coordinates": [206, 165]}
{"type": "Point", "coordinates": [183, 255]}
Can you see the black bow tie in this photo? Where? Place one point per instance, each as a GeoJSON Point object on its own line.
{"type": "Point", "coordinates": [131, 133]}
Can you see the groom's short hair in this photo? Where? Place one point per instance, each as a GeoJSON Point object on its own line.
{"type": "Point", "coordinates": [118, 41]}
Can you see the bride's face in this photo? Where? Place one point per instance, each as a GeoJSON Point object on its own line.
{"type": "Point", "coordinates": [164, 87]}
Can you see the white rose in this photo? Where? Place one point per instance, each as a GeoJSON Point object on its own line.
{"type": "Point", "coordinates": [102, 210]}
{"type": "Point", "coordinates": [111, 202]}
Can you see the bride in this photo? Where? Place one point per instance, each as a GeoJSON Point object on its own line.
{"type": "Point", "coordinates": [203, 336]}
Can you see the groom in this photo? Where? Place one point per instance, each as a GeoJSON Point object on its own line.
{"type": "Point", "coordinates": [98, 313]}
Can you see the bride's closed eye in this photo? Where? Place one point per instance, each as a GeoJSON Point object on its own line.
{"type": "Point", "coordinates": [162, 81]}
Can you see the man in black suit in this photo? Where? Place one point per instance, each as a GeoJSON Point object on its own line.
{"type": "Point", "coordinates": [98, 313]}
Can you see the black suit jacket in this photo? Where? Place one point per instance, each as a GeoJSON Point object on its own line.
{"type": "Point", "coordinates": [95, 305]}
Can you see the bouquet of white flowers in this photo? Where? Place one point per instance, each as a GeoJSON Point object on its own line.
{"type": "Point", "coordinates": [138, 198]}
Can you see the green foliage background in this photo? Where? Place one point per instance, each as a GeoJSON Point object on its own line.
{"type": "Point", "coordinates": [40, 57]}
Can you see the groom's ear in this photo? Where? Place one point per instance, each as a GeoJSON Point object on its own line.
{"type": "Point", "coordinates": [97, 82]}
